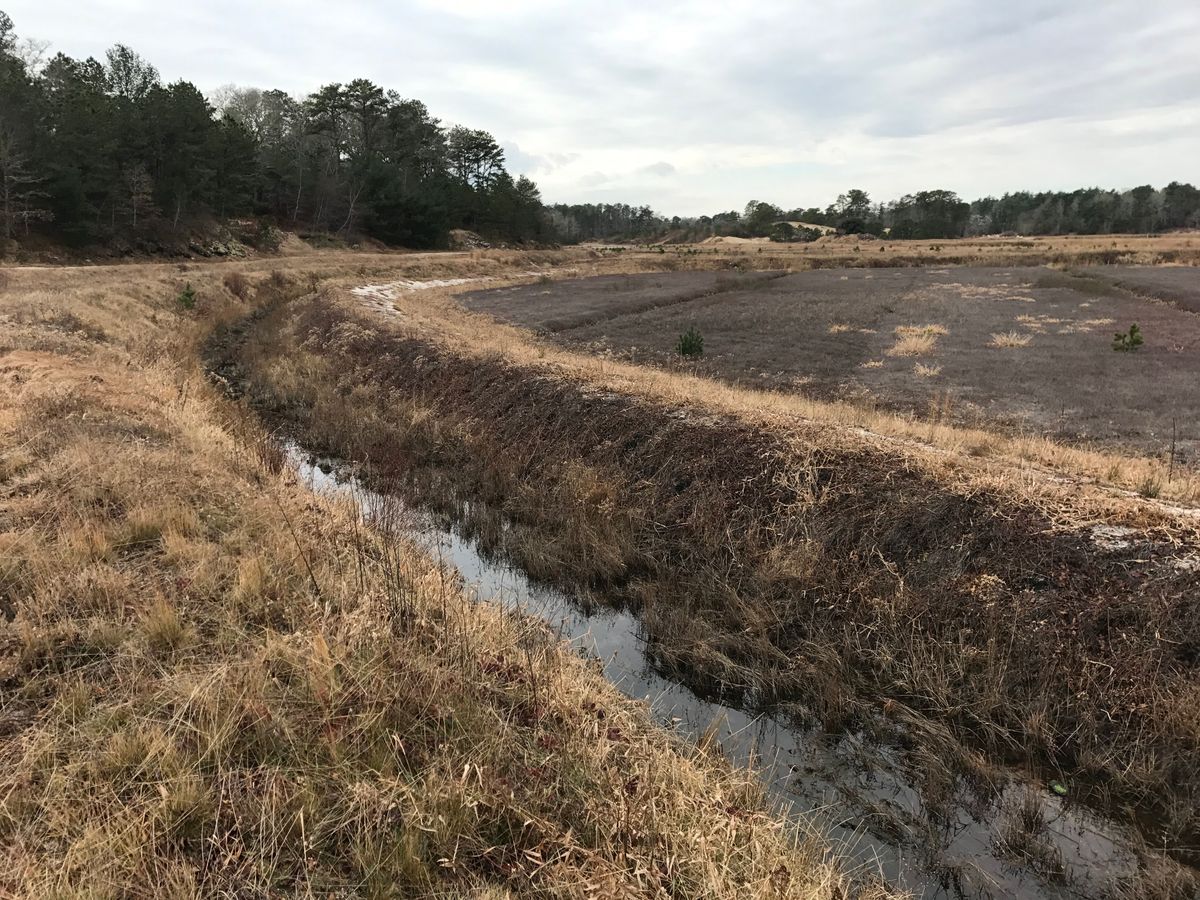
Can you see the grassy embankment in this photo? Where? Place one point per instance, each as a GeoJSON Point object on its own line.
{"type": "Point", "coordinates": [213, 682]}
{"type": "Point", "coordinates": [773, 546]}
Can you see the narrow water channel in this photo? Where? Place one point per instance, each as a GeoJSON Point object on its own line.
{"type": "Point", "coordinates": [1026, 842]}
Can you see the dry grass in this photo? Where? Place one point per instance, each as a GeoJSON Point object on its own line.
{"type": "Point", "coordinates": [935, 330]}
{"type": "Point", "coordinates": [840, 328]}
{"type": "Point", "coordinates": [1066, 250]}
{"type": "Point", "coordinates": [216, 684]}
{"type": "Point", "coordinates": [163, 587]}
{"type": "Point", "coordinates": [1010, 339]}
{"type": "Point", "coordinates": [915, 340]}
{"type": "Point", "coordinates": [923, 371]}
{"type": "Point", "coordinates": [585, 520]}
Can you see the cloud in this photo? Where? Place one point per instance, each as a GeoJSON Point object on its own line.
{"type": "Point", "coordinates": [661, 169]}
{"type": "Point", "coordinates": [593, 180]}
{"type": "Point", "coordinates": [532, 164]}
{"type": "Point", "coordinates": [788, 100]}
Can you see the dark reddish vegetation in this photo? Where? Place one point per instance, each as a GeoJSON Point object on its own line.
{"type": "Point", "coordinates": [545, 306]}
{"type": "Point", "coordinates": [1179, 285]}
{"type": "Point", "coordinates": [1065, 383]}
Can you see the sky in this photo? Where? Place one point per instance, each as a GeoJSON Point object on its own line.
{"type": "Point", "coordinates": [702, 106]}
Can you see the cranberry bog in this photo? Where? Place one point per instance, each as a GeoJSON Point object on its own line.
{"type": "Point", "coordinates": [1019, 350]}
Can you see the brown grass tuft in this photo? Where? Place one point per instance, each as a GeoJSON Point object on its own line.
{"type": "Point", "coordinates": [1009, 339]}
{"type": "Point", "coordinates": [915, 340]}
{"type": "Point", "coordinates": [237, 284]}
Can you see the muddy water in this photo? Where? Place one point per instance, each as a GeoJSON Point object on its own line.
{"type": "Point", "coordinates": [855, 792]}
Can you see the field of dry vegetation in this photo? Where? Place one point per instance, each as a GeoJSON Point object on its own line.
{"type": "Point", "coordinates": [213, 682]}
{"type": "Point", "coordinates": [1023, 606]}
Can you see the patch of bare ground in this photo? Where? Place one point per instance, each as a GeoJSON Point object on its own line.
{"type": "Point", "coordinates": [213, 683]}
{"type": "Point", "coordinates": [788, 559]}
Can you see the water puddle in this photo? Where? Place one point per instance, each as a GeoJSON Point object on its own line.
{"type": "Point", "coordinates": [1026, 842]}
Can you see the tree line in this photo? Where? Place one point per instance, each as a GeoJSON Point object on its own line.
{"type": "Point", "coordinates": [103, 152]}
{"type": "Point", "coordinates": [924, 214]}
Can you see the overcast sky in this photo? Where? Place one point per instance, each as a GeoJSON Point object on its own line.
{"type": "Point", "coordinates": [700, 106]}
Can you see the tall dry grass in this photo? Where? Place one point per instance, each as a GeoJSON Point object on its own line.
{"type": "Point", "coordinates": [216, 684]}
{"type": "Point", "coordinates": [754, 540]}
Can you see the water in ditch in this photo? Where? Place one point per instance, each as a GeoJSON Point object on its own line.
{"type": "Point", "coordinates": [1025, 842]}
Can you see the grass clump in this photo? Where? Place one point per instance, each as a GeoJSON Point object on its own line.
{"type": "Point", "coordinates": [916, 340]}
{"type": "Point", "coordinates": [237, 284]}
{"type": "Point", "coordinates": [164, 629]}
{"type": "Point", "coordinates": [1009, 340]}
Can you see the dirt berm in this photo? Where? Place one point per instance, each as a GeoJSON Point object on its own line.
{"type": "Point", "coordinates": [849, 581]}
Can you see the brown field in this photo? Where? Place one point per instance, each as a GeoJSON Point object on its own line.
{"type": "Point", "coordinates": [1025, 350]}
{"type": "Point", "coordinates": [214, 683]}
{"type": "Point", "coordinates": [541, 305]}
{"type": "Point", "coordinates": [221, 683]}
{"type": "Point", "coordinates": [828, 557]}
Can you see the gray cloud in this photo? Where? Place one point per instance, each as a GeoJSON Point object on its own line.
{"type": "Point", "coordinates": [786, 100]}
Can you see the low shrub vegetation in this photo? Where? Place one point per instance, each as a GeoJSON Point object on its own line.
{"type": "Point", "coordinates": [187, 296]}
{"type": "Point", "coordinates": [1128, 341]}
{"type": "Point", "coordinates": [690, 344]}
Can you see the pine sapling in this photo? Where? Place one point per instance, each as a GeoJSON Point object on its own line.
{"type": "Point", "coordinates": [1127, 342]}
{"type": "Point", "coordinates": [691, 343]}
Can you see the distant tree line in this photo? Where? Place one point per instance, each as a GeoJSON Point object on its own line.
{"type": "Point", "coordinates": [103, 152]}
{"type": "Point", "coordinates": [574, 222]}
{"type": "Point", "coordinates": [925, 214]}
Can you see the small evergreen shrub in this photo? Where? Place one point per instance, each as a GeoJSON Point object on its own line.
{"type": "Point", "coordinates": [187, 297]}
{"type": "Point", "coordinates": [1127, 342]}
{"type": "Point", "coordinates": [691, 343]}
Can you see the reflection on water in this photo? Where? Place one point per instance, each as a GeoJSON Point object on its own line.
{"type": "Point", "coordinates": [1027, 842]}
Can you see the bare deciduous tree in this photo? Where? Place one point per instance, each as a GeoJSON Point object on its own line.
{"type": "Point", "coordinates": [20, 197]}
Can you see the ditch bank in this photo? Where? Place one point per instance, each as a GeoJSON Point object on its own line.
{"type": "Point", "coordinates": [836, 584]}
{"type": "Point", "coordinates": [984, 841]}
